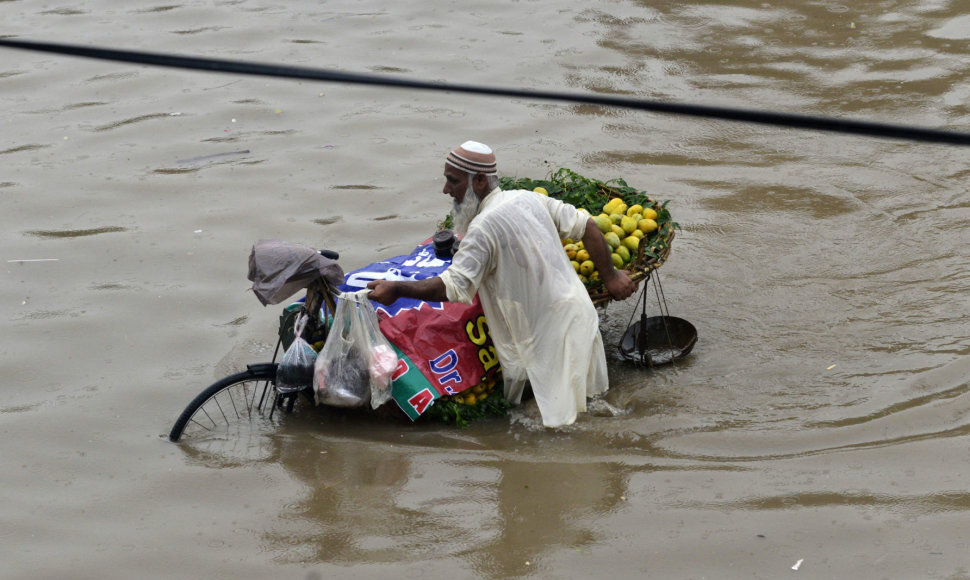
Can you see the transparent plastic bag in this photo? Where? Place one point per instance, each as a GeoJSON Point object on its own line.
{"type": "Point", "coordinates": [295, 371]}
{"type": "Point", "coordinates": [381, 356]}
{"type": "Point", "coordinates": [356, 363]}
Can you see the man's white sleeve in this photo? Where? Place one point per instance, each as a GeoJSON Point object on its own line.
{"type": "Point", "coordinates": [570, 222]}
{"type": "Point", "coordinates": [468, 267]}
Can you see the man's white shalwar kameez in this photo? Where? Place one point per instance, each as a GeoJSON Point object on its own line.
{"type": "Point", "coordinates": [539, 314]}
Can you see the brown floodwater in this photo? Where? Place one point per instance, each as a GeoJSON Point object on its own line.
{"type": "Point", "coordinates": [821, 422]}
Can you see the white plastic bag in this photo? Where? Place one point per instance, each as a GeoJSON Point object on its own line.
{"type": "Point", "coordinates": [356, 362]}
{"type": "Point", "coordinates": [295, 371]}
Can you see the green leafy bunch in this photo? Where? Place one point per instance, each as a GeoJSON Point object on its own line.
{"type": "Point", "coordinates": [581, 192]}
{"type": "Point", "coordinates": [494, 404]}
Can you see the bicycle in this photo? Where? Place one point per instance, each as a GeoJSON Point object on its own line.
{"type": "Point", "coordinates": [252, 395]}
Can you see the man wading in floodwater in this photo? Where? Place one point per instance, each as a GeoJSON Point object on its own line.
{"type": "Point", "coordinates": [541, 318]}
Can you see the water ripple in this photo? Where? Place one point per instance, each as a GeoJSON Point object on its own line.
{"type": "Point", "coordinates": [130, 121]}
{"type": "Point", "coordinates": [75, 233]}
{"type": "Point", "coordinates": [947, 501]}
{"type": "Point", "coordinates": [22, 148]}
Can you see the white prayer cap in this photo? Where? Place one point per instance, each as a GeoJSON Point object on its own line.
{"type": "Point", "coordinates": [473, 157]}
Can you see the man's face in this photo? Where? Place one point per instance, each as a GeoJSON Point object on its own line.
{"type": "Point", "coordinates": [456, 183]}
{"type": "Point", "coordinates": [464, 200]}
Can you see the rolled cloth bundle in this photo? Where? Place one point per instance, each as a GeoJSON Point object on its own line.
{"type": "Point", "coordinates": [280, 269]}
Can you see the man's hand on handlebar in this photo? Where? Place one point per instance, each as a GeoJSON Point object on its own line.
{"type": "Point", "coordinates": [429, 290]}
{"type": "Point", "coordinates": [383, 291]}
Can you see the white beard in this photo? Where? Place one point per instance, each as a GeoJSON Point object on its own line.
{"type": "Point", "coordinates": [463, 213]}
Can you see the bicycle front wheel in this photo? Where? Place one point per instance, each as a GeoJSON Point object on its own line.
{"type": "Point", "coordinates": [230, 405]}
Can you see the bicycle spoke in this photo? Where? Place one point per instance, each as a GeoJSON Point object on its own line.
{"type": "Point", "coordinates": [215, 399]}
{"type": "Point", "coordinates": [209, 417]}
{"type": "Point", "coordinates": [245, 401]}
{"type": "Point", "coordinates": [232, 400]}
{"type": "Point", "coordinates": [251, 403]}
{"type": "Point", "coordinates": [262, 397]}
{"type": "Point", "coordinates": [201, 425]}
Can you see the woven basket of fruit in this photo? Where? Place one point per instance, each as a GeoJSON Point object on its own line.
{"type": "Point", "coordinates": [638, 229]}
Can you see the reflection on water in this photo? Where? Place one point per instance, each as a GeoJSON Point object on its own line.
{"type": "Point", "coordinates": [381, 501]}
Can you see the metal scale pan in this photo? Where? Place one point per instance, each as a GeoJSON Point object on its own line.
{"type": "Point", "coordinates": [657, 340]}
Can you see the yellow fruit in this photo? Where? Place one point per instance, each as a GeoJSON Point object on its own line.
{"type": "Point", "coordinates": [571, 250]}
{"type": "Point", "coordinates": [636, 217]}
{"type": "Point", "coordinates": [478, 389]}
{"type": "Point", "coordinates": [612, 239]}
{"type": "Point", "coordinates": [637, 233]}
{"type": "Point", "coordinates": [603, 223]}
{"type": "Point", "coordinates": [583, 279]}
{"type": "Point", "coordinates": [618, 231]}
{"type": "Point", "coordinates": [579, 245]}
{"type": "Point", "coordinates": [631, 243]}
{"type": "Point", "coordinates": [634, 209]}
{"type": "Point", "coordinates": [616, 217]}
{"type": "Point", "coordinates": [594, 277]}
{"type": "Point", "coordinates": [582, 256]}
{"type": "Point", "coordinates": [610, 205]}
{"type": "Point", "coordinates": [617, 260]}
{"type": "Point", "coordinates": [647, 225]}
{"type": "Point", "coordinates": [541, 191]}
{"type": "Point", "coordinates": [628, 224]}
{"type": "Point", "coordinates": [568, 241]}
{"type": "Point", "coordinates": [575, 265]}
{"type": "Point", "coordinates": [620, 208]}
{"type": "Point", "coordinates": [586, 268]}
{"type": "Point", "coordinates": [470, 399]}
{"type": "Point", "coordinates": [623, 253]}
{"type": "Point", "coordinates": [649, 213]}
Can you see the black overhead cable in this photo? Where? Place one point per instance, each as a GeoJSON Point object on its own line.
{"type": "Point", "coordinates": [794, 121]}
